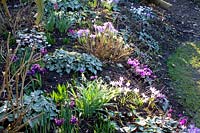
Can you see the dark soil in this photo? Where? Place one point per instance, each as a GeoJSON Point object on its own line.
{"type": "Point", "coordinates": [184, 18]}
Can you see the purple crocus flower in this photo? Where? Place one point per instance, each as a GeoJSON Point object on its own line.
{"type": "Point", "coordinates": [31, 72]}
{"type": "Point", "coordinates": [59, 122]}
{"type": "Point", "coordinates": [72, 104]}
{"type": "Point", "coordinates": [99, 29]}
{"type": "Point", "coordinates": [42, 70]}
{"type": "Point", "coordinates": [110, 27]}
{"type": "Point", "coordinates": [83, 32]}
{"type": "Point", "coordinates": [35, 67]}
{"type": "Point", "coordinates": [81, 70]}
{"type": "Point", "coordinates": [73, 120]}
{"type": "Point", "coordinates": [14, 58]}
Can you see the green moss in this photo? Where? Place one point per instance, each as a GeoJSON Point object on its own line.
{"type": "Point", "coordinates": [184, 70]}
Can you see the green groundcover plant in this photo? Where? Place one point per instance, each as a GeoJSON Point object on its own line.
{"type": "Point", "coordinates": [63, 61]}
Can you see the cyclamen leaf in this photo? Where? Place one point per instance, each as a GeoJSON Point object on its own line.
{"type": "Point", "coordinates": [63, 61]}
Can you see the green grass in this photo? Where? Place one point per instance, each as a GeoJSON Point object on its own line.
{"type": "Point", "coordinates": [184, 70]}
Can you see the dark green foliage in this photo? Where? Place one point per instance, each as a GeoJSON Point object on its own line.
{"type": "Point", "coordinates": [63, 61]}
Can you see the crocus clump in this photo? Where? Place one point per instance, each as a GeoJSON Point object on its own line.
{"type": "Point", "coordinates": [104, 42]}
{"type": "Point", "coordinates": [36, 68]}
{"type": "Point", "coordinates": [106, 27]}
{"type": "Point", "coordinates": [83, 32]}
{"type": "Point", "coordinates": [140, 69]}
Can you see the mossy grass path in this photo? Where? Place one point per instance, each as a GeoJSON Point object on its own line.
{"type": "Point", "coordinates": [184, 70]}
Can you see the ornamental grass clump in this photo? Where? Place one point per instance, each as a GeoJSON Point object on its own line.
{"type": "Point", "coordinates": [104, 43]}
{"type": "Point", "coordinates": [92, 96]}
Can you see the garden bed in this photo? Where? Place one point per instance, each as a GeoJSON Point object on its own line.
{"type": "Point", "coordinates": [89, 67]}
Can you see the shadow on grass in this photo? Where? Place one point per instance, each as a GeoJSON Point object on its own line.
{"type": "Point", "coordinates": [184, 70]}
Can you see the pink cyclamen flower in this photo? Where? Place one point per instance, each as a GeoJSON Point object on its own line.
{"type": "Point", "coordinates": [133, 62]}
{"type": "Point", "coordinates": [170, 110]}
{"type": "Point", "coordinates": [183, 121]}
{"type": "Point", "coordinates": [71, 31]}
{"type": "Point", "coordinates": [180, 115]}
{"type": "Point", "coordinates": [169, 115]}
{"type": "Point", "coordinates": [93, 77]}
{"type": "Point", "coordinates": [55, 6]}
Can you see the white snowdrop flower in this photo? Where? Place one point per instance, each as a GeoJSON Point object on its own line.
{"type": "Point", "coordinates": [154, 91]}
{"type": "Point", "coordinates": [136, 90]}
{"type": "Point", "coordinates": [145, 100]}
{"type": "Point", "coordinates": [128, 84]}
{"type": "Point", "coordinates": [121, 79]}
